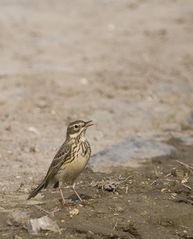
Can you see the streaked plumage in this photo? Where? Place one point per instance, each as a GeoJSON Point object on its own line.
{"type": "Point", "coordinates": [70, 160]}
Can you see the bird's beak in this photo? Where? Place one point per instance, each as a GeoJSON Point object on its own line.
{"type": "Point", "coordinates": [89, 123]}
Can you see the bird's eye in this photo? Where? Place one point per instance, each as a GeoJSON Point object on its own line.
{"type": "Point", "coordinates": [76, 126]}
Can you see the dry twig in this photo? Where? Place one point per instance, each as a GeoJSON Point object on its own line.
{"type": "Point", "coordinates": [185, 165]}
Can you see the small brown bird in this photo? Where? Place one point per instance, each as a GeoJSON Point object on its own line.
{"type": "Point", "coordinates": [69, 161]}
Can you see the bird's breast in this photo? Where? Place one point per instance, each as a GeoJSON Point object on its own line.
{"type": "Point", "coordinates": [80, 156]}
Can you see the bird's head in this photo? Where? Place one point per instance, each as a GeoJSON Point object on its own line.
{"type": "Point", "coordinates": [78, 128]}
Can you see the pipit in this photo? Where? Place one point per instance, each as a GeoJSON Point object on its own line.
{"type": "Point", "coordinates": [69, 161]}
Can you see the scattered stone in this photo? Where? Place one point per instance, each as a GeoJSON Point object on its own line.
{"type": "Point", "coordinates": [33, 149]}
{"type": "Point", "coordinates": [41, 104]}
{"type": "Point", "coordinates": [90, 235]}
{"type": "Point", "coordinates": [34, 226]}
{"type": "Point", "coordinates": [84, 81]}
{"type": "Point", "coordinates": [17, 217]}
{"type": "Point", "coordinates": [10, 152]}
{"type": "Point", "coordinates": [33, 130]}
{"type": "Point", "coordinates": [74, 212]}
{"type": "Point", "coordinates": [119, 209]}
{"type": "Point", "coordinates": [17, 237]}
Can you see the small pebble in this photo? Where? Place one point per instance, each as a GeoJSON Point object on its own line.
{"type": "Point", "coordinates": [17, 237]}
{"type": "Point", "coordinates": [74, 212]}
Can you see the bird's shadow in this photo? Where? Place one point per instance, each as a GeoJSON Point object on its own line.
{"type": "Point", "coordinates": [74, 198]}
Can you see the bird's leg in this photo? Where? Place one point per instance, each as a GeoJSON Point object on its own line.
{"type": "Point", "coordinates": [73, 187]}
{"type": "Point", "coordinates": [62, 196]}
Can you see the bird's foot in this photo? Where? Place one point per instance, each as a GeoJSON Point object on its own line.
{"type": "Point", "coordinates": [78, 195]}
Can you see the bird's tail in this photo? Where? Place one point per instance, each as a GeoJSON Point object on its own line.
{"type": "Point", "coordinates": [37, 190]}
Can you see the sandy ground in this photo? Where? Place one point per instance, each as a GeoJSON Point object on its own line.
{"type": "Point", "coordinates": [127, 65]}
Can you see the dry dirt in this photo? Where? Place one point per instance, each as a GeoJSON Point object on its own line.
{"type": "Point", "coordinates": [153, 201]}
{"type": "Point", "coordinates": [128, 66]}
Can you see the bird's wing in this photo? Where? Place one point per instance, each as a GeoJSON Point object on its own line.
{"type": "Point", "coordinates": [60, 158]}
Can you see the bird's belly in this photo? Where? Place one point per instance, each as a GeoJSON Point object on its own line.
{"type": "Point", "coordinates": [69, 172]}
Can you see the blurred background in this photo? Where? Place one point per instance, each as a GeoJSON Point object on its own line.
{"type": "Point", "coordinates": [127, 65]}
